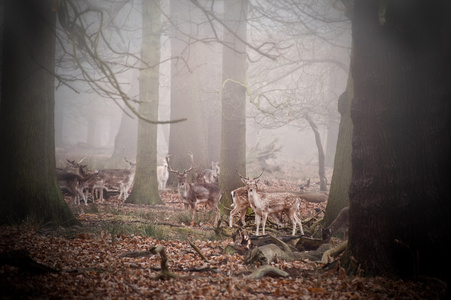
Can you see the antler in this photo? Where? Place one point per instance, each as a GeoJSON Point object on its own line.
{"type": "Point", "coordinates": [242, 177]}
{"type": "Point", "coordinates": [259, 175]}
{"type": "Point", "coordinates": [131, 163]}
{"type": "Point", "coordinates": [81, 160]}
{"type": "Point", "coordinates": [192, 162]}
{"type": "Point", "coordinates": [169, 166]}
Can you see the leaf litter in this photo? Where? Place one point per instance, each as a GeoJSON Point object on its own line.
{"type": "Point", "coordinates": [99, 264]}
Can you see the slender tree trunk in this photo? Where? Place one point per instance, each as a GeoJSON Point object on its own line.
{"type": "Point", "coordinates": [27, 156]}
{"type": "Point", "coordinates": [233, 128]}
{"type": "Point", "coordinates": [400, 194]}
{"type": "Point", "coordinates": [321, 157]}
{"type": "Point", "coordinates": [145, 187]}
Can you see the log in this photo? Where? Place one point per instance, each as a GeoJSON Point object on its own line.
{"type": "Point", "coordinates": [315, 197]}
{"type": "Point", "coordinates": [267, 254]}
{"type": "Point", "coordinates": [21, 259]}
{"type": "Point", "coordinates": [308, 244]}
{"type": "Point", "coordinates": [267, 271]}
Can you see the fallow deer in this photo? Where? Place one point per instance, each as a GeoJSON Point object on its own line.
{"type": "Point", "coordinates": [264, 203]}
{"type": "Point", "coordinates": [210, 175]}
{"type": "Point", "coordinates": [241, 204]}
{"type": "Point", "coordinates": [341, 223]}
{"type": "Point", "coordinates": [163, 174]}
{"type": "Point", "coordinates": [192, 193]}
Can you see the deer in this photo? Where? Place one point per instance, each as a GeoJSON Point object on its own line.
{"type": "Point", "coordinates": [341, 223]}
{"type": "Point", "coordinates": [210, 175]}
{"type": "Point", "coordinates": [192, 193]}
{"type": "Point", "coordinates": [72, 183]}
{"type": "Point", "coordinates": [163, 174]}
{"type": "Point", "coordinates": [264, 203]}
{"type": "Point", "coordinates": [120, 177]}
{"type": "Point", "coordinates": [241, 204]}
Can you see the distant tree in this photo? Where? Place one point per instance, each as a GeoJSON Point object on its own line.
{"type": "Point", "coordinates": [145, 187]}
{"type": "Point", "coordinates": [400, 193]}
{"type": "Point", "coordinates": [233, 128]}
{"type": "Point", "coordinates": [27, 156]}
{"type": "Point", "coordinates": [186, 89]}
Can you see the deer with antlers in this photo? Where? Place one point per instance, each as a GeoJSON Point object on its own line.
{"type": "Point", "coordinates": [265, 203]}
{"type": "Point", "coordinates": [192, 193]}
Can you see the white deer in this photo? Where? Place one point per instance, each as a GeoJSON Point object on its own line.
{"type": "Point", "coordinates": [265, 203]}
{"type": "Point", "coordinates": [163, 174]}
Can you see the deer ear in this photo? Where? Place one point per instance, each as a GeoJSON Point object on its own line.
{"type": "Point", "coordinates": [244, 181]}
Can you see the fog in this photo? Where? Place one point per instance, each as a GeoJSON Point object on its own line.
{"type": "Point", "coordinates": [297, 65]}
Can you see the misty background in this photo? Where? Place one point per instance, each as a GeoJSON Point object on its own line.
{"type": "Point", "coordinates": [303, 71]}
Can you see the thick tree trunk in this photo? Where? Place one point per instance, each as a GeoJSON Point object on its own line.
{"type": "Point", "coordinates": [145, 186]}
{"type": "Point", "coordinates": [400, 191]}
{"type": "Point", "coordinates": [233, 128]}
{"type": "Point", "coordinates": [27, 155]}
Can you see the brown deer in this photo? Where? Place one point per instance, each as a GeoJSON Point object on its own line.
{"type": "Point", "coordinates": [192, 193]}
{"type": "Point", "coordinates": [210, 175]}
{"type": "Point", "coordinates": [341, 223]}
{"type": "Point", "coordinates": [265, 203]}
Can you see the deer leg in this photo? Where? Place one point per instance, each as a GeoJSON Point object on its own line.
{"type": "Point", "coordinates": [264, 218]}
{"type": "Point", "coordinates": [257, 223]}
{"type": "Point", "coordinates": [243, 216]}
{"type": "Point", "coordinates": [298, 220]}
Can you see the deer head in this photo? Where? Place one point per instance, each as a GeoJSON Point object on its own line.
{"type": "Point", "coordinates": [181, 176]}
{"type": "Point", "coordinates": [250, 183]}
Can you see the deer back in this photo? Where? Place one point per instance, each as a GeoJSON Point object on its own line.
{"type": "Point", "coordinates": [341, 223]}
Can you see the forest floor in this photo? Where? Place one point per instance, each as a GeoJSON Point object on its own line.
{"type": "Point", "coordinates": [96, 261]}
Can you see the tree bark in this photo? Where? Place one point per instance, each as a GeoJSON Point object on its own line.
{"type": "Point", "coordinates": [321, 157]}
{"type": "Point", "coordinates": [145, 186]}
{"type": "Point", "coordinates": [27, 156]}
{"type": "Point", "coordinates": [341, 178]}
{"type": "Point", "coordinates": [233, 128]}
{"type": "Point", "coordinates": [400, 192]}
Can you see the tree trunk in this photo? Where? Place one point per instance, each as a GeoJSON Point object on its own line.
{"type": "Point", "coordinates": [321, 157]}
{"type": "Point", "coordinates": [341, 178]}
{"type": "Point", "coordinates": [233, 128]}
{"type": "Point", "coordinates": [400, 190]}
{"type": "Point", "coordinates": [27, 156]}
{"type": "Point", "coordinates": [145, 186]}
{"type": "Point", "coordinates": [190, 135]}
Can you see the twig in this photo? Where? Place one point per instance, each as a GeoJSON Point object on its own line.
{"type": "Point", "coordinates": [198, 251]}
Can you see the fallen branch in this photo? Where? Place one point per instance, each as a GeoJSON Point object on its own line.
{"type": "Point", "coordinates": [267, 271]}
{"type": "Point", "coordinates": [198, 251]}
{"type": "Point", "coordinates": [165, 274]}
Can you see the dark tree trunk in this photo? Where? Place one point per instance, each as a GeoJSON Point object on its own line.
{"type": "Point", "coordinates": [145, 186]}
{"type": "Point", "coordinates": [400, 191]}
{"type": "Point", "coordinates": [233, 128]}
{"type": "Point", "coordinates": [27, 155]}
